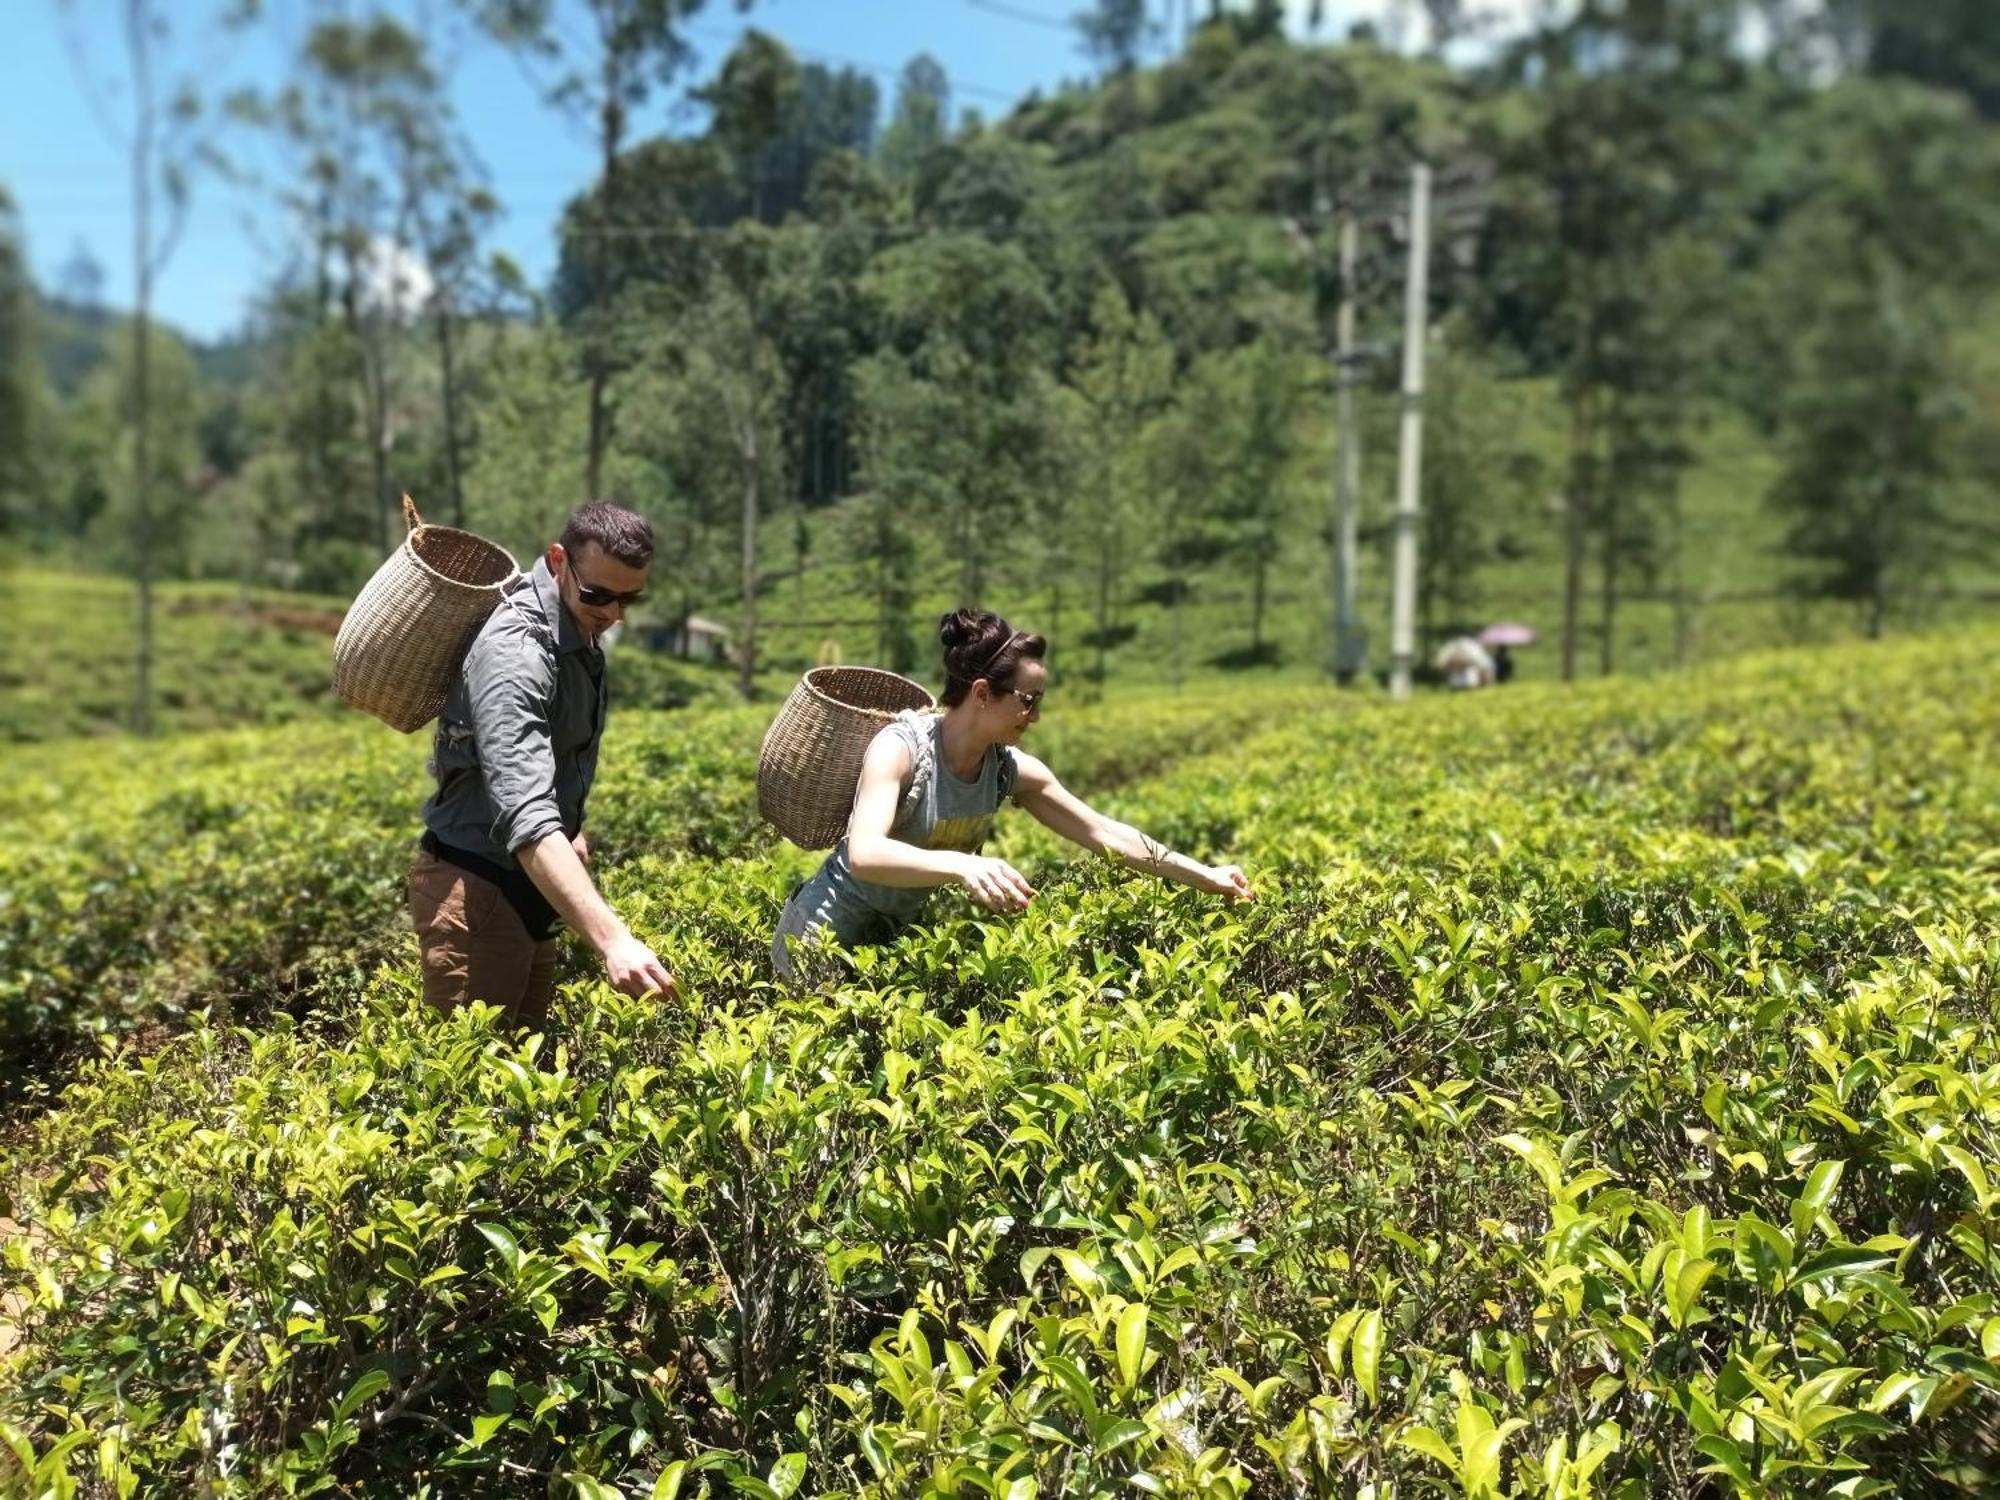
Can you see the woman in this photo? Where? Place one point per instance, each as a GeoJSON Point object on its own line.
{"type": "Point", "coordinates": [928, 791]}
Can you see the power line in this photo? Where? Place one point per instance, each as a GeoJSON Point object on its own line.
{"type": "Point", "coordinates": [1015, 13]}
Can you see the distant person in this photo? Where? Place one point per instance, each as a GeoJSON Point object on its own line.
{"type": "Point", "coordinates": [503, 862]}
{"type": "Point", "coordinates": [1503, 664]}
{"type": "Point", "coordinates": [928, 792]}
{"type": "Point", "coordinates": [1465, 664]}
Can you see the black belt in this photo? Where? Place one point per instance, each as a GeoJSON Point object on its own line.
{"type": "Point", "coordinates": [530, 905]}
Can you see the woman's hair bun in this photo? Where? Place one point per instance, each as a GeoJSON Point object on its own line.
{"type": "Point", "coordinates": [960, 628]}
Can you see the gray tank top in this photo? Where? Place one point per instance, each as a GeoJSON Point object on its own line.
{"type": "Point", "coordinates": [939, 811]}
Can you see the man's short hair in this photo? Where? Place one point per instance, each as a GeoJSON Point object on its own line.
{"type": "Point", "coordinates": [621, 532]}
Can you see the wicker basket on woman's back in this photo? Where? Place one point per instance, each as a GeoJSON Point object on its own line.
{"type": "Point", "coordinates": [812, 753]}
{"type": "Point", "coordinates": [401, 641]}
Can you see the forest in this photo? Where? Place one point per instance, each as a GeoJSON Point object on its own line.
{"type": "Point", "coordinates": [1709, 366]}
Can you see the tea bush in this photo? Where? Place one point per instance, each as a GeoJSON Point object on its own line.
{"type": "Point", "coordinates": [1601, 1099]}
{"type": "Point", "coordinates": [235, 870]}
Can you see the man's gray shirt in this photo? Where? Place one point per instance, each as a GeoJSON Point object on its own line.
{"type": "Point", "coordinates": [516, 745]}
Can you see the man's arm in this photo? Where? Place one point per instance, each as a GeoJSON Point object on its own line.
{"type": "Point", "coordinates": [510, 686]}
{"type": "Point", "coordinates": [552, 863]}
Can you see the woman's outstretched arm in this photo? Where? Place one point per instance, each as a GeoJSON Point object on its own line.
{"type": "Point", "coordinates": [1059, 809]}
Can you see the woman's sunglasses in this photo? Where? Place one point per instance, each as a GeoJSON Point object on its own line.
{"type": "Point", "coordinates": [1029, 701]}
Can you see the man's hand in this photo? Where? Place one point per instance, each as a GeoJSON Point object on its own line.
{"type": "Point", "coordinates": [581, 844]}
{"type": "Point", "coordinates": [635, 971]}
{"type": "Point", "coordinates": [994, 884]}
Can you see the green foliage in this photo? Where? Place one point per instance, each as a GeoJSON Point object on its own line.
{"type": "Point", "coordinates": [19, 379]}
{"type": "Point", "coordinates": [226, 655]}
{"type": "Point", "coordinates": [230, 870]}
{"type": "Point", "coordinates": [1482, 479]}
{"type": "Point", "coordinates": [1674, 268]}
{"type": "Point", "coordinates": [534, 456]}
{"type": "Point", "coordinates": [1123, 380]}
{"type": "Point", "coordinates": [99, 481]}
{"type": "Point", "coordinates": [921, 119]}
{"type": "Point", "coordinates": [1877, 411]}
{"type": "Point", "coordinates": [956, 412]}
{"type": "Point", "coordinates": [1600, 1099]}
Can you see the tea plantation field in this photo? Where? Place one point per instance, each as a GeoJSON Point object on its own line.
{"type": "Point", "coordinates": [1602, 1098]}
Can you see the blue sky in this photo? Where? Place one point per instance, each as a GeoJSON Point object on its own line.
{"type": "Point", "coordinates": [69, 182]}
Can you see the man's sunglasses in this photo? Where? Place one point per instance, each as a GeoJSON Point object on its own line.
{"type": "Point", "coordinates": [598, 598]}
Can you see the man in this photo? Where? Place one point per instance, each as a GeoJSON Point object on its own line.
{"type": "Point", "coordinates": [503, 858]}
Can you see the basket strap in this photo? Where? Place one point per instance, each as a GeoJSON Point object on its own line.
{"type": "Point", "coordinates": [920, 763]}
{"type": "Point", "coordinates": [411, 519]}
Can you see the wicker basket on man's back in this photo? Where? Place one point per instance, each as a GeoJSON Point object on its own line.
{"type": "Point", "coordinates": [402, 640]}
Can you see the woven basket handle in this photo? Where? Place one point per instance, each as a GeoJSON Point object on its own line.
{"type": "Point", "coordinates": [411, 519]}
{"type": "Point", "coordinates": [920, 765]}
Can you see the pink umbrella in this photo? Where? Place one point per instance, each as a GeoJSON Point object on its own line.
{"type": "Point", "coordinates": [1508, 633]}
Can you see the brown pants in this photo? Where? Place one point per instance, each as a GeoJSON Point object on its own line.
{"type": "Point", "coordinates": [474, 944]}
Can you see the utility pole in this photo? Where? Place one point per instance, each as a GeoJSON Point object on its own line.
{"type": "Point", "coordinates": [1350, 650]}
{"type": "Point", "coordinates": [1403, 608]}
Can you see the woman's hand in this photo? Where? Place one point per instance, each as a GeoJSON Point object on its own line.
{"type": "Point", "coordinates": [1227, 880]}
{"type": "Point", "coordinates": [994, 884]}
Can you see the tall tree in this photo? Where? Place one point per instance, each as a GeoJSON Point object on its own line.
{"type": "Point", "coordinates": [1186, 465]}
{"type": "Point", "coordinates": [919, 125]}
{"type": "Point", "coordinates": [962, 402]}
{"type": "Point", "coordinates": [1953, 44]}
{"type": "Point", "coordinates": [529, 463]}
{"type": "Point", "coordinates": [1123, 377]}
{"type": "Point", "coordinates": [108, 406]}
{"type": "Point", "coordinates": [755, 100]}
{"type": "Point", "coordinates": [826, 325]}
{"type": "Point", "coordinates": [1895, 238]}
{"type": "Point", "coordinates": [1266, 386]}
{"type": "Point", "coordinates": [1613, 177]}
{"type": "Point", "coordinates": [1114, 31]}
{"type": "Point", "coordinates": [161, 128]}
{"type": "Point", "coordinates": [633, 47]}
{"type": "Point", "coordinates": [19, 376]}
{"type": "Point", "coordinates": [451, 212]}
{"type": "Point", "coordinates": [725, 384]}
{"type": "Point", "coordinates": [1480, 476]}
{"type": "Point", "coordinates": [367, 114]}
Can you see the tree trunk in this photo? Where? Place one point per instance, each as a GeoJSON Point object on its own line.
{"type": "Point", "coordinates": [1607, 603]}
{"type": "Point", "coordinates": [1055, 614]}
{"type": "Point", "coordinates": [689, 537]}
{"type": "Point", "coordinates": [1105, 565]}
{"type": "Point", "coordinates": [142, 271]}
{"type": "Point", "coordinates": [453, 460]}
{"type": "Point", "coordinates": [971, 574]}
{"type": "Point", "coordinates": [1257, 581]}
{"type": "Point", "coordinates": [884, 623]}
{"type": "Point", "coordinates": [1683, 607]}
{"type": "Point", "coordinates": [746, 664]}
{"type": "Point", "coordinates": [817, 439]}
{"type": "Point", "coordinates": [611, 133]}
{"type": "Point", "coordinates": [375, 384]}
{"type": "Point", "coordinates": [1575, 531]}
